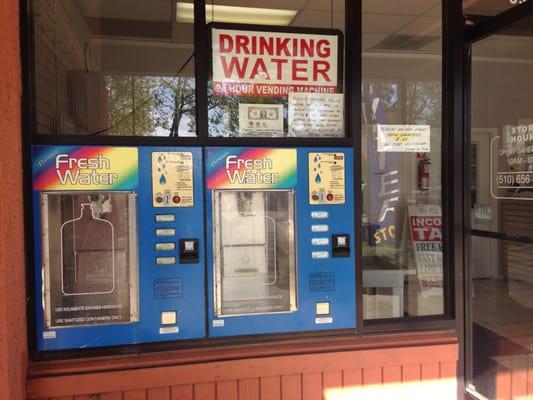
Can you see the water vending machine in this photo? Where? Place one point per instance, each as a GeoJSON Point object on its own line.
{"type": "Point", "coordinates": [118, 259]}
{"type": "Point", "coordinates": [238, 235]}
{"type": "Point", "coordinates": [280, 238]}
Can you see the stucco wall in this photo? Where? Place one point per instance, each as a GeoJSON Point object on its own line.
{"type": "Point", "coordinates": [13, 353]}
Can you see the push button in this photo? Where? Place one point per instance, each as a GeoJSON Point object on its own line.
{"type": "Point", "coordinates": [320, 241]}
{"type": "Point", "coordinates": [165, 246]}
{"type": "Point", "coordinates": [319, 228]}
{"type": "Point", "coordinates": [341, 245]}
{"type": "Point", "coordinates": [169, 318]}
{"type": "Point", "coordinates": [322, 308]}
{"type": "Point", "coordinates": [165, 260]}
{"type": "Point", "coordinates": [319, 255]}
{"type": "Point", "coordinates": [188, 251]}
{"type": "Point", "coordinates": [165, 232]}
{"type": "Point", "coordinates": [165, 218]}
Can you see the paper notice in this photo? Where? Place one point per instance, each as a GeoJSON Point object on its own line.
{"type": "Point", "coordinates": [316, 114]}
{"type": "Point", "coordinates": [265, 120]}
{"type": "Point", "coordinates": [404, 138]}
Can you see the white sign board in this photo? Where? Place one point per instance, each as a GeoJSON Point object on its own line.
{"type": "Point", "coordinates": [316, 114]}
{"type": "Point", "coordinates": [270, 64]}
{"type": "Point", "coordinates": [404, 138]}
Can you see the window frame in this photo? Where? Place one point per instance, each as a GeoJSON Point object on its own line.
{"type": "Point", "coordinates": [452, 184]}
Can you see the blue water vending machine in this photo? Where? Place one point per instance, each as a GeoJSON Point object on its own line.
{"type": "Point", "coordinates": [119, 252]}
{"type": "Point", "coordinates": [280, 240]}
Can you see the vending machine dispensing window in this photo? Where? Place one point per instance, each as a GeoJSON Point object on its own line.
{"type": "Point", "coordinates": [255, 258]}
{"type": "Point", "coordinates": [90, 267]}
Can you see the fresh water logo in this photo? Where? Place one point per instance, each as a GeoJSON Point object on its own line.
{"type": "Point", "coordinates": [84, 171]}
{"type": "Point", "coordinates": [250, 171]}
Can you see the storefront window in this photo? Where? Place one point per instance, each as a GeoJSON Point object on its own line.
{"type": "Point", "coordinates": [113, 68]}
{"type": "Point", "coordinates": [488, 7]}
{"type": "Point", "coordinates": [401, 156]}
{"type": "Point", "coordinates": [272, 84]}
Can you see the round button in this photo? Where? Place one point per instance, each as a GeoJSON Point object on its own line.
{"type": "Point", "coordinates": [176, 199]}
{"type": "Point", "coordinates": [315, 197]}
{"type": "Point", "coordinates": [159, 199]}
{"type": "Point", "coordinates": [330, 197]}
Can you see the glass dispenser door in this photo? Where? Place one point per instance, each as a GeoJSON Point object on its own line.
{"type": "Point", "coordinates": [89, 258]}
{"type": "Point", "coordinates": [255, 258]}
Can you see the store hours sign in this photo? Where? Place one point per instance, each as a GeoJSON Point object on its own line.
{"type": "Point", "coordinates": [272, 64]}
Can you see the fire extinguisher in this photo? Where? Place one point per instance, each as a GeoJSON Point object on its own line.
{"type": "Point", "coordinates": [423, 172]}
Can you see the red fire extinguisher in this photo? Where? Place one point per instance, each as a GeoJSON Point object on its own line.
{"type": "Point", "coordinates": [423, 171]}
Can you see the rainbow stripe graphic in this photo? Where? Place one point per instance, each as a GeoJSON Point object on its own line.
{"type": "Point", "coordinates": [85, 168]}
{"type": "Point", "coordinates": [272, 168]}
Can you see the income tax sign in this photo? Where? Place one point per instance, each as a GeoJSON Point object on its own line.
{"type": "Point", "coordinates": [272, 64]}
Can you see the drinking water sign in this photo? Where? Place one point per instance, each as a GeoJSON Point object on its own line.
{"type": "Point", "coordinates": [272, 64]}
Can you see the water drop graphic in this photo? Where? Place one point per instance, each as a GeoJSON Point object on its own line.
{"type": "Point", "coordinates": [162, 180]}
{"type": "Point", "coordinates": [318, 179]}
{"type": "Point", "coordinates": [316, 159]}
{"type": "Point", "coordinates": [159, 159]}
{"type": "Point", "coordinates": [318, 165]}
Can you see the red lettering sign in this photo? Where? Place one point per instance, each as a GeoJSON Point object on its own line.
{"type": "Point", "coordinates": [254, 62]}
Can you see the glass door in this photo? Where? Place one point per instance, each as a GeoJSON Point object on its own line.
{"type": "Point", "coordinates": [499, 352]}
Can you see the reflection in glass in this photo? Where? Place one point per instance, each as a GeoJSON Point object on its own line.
{"type": "Point", "coordinates": [402, 215]}
{"type": "Point", "coordinates": [254, 252]}
{"type": "Point", "coordinates": [121, 67]}
{"type": "Point", "coordinates": [500, 318]}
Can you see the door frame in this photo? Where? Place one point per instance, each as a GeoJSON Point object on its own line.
{"type": "Point", "coordinates": [473, 33]}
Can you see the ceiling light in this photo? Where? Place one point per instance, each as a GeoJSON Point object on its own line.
{"type": "Point", "coordinates": [243, 15]}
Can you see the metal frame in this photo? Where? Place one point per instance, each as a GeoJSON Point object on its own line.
{"type": "Point", "coordinates": [452, 187]}
{"type": "Point", "coordinates": [471, 35]}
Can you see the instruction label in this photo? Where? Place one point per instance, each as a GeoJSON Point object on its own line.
{"type": "Point", "coordinates": [326, 178]}
{"type": "Point", "coordinates": [404, 138]}
{"type": "Point", "coordinates": [172, 179]}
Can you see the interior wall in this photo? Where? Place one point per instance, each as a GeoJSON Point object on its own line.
{"type": "Point", "coordinates": [13, 349]}
{"type": "Point", "coordinates": [502, 93]}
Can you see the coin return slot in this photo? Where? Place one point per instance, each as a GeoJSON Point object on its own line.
{"type": "Point", "coordinates": [189, 251]}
